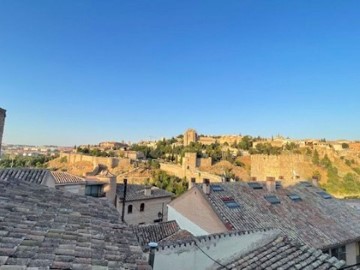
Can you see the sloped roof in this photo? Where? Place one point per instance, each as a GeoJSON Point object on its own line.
{"type": "Point", "coordinates": [318, 222]}
{"type": "Point", "coordinates": [160, 232]}
{"type": "Point", "coordinates": [136, 192]}
{"type": "Point", "coordinates": [47, 228]}
{"type": "Point", "coordinates": [62, 178]}
{"type": "Point", "coordinates": [37, 176]}
{"type": "Point", "coordinates": [283, 253]}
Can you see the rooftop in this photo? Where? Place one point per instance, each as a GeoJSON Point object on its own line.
{"type": "Point", "coordinates": [137, 192]}
{"type": "Point", "coordinates": [160, 233]}
{"type": "Point", "coordinates": [313, 219]}
{"type": "Point", "coordinates": [283, 253]}
{"type": "Point", "coordinates": [46, 228]}
{"type": "Point", "coordinates": [62, 178]}
{"type": "Point", "coordinates": [37, 176]}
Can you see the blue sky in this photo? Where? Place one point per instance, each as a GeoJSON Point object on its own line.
{"type": "Point", "coordinates": [83, 71]}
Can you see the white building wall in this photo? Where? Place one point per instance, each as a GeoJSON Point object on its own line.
{"type": "Point", "coordinates": [152, 208]}
{"type": "Point", "coordinates": [222, 249]}
{"type": "Point", "coordinates": [185, 223]}
{"type": "Point", "coordinates": [352, 251]}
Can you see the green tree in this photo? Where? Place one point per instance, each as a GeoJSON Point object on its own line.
{"type": "Point", "coordinates": [316, 158]}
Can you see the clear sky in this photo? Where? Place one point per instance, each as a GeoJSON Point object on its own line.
{"type": "Point", "coordinates": [79, 72]}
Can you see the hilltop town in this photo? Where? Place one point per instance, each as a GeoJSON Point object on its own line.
{"type": "Point", "coordinates": [221, 202]}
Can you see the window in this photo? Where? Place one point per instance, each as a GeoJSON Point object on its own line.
{"type": "Point", "coordinates": [230, 202]}
{"type": "Point", "coordinates": [216, 188]}
{"type": "Point", "coordinates": [278, 185]}
{"type": "Point", "coordinates": [142, 207]}
{"type": "Point", "coordinates": [294, 197]}
{"type": "Point", "coordinates": [324, 195]}
{"type": "Point", "coordinates": [255, 185]}
{"type": "Point", "coordinates": [272, 199]}
{"type": "Point", "coordinates": [94, 190]}
{"type": "Point", "coordinates": [130, 209]}
{"type": "Point", "coordinates": [339, 252]}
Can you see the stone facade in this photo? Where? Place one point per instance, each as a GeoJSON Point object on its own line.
{"type": "Point", "coordinates": [190, 136]}
{"type": "Point", "coordinates": [288, 168]}
{"type": "Point", "coordinates": [107, 161]}
{"type": "Point", "coordinates": [2, 124]}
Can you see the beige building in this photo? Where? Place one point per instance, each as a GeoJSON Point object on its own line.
{"type": "Point", "coordinates": [2, 124]}
{"type": "Point", "coordinates": [143, 204]}
{"type": "Point", "coordinates": [190, 136]}
{"type": "Point", "coordinates": [303, 211]}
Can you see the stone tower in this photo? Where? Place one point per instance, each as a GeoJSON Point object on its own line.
{"type": "Point", "coordinates": [2, 124]}
{"type": "Point", "coordinates": [190, 136]}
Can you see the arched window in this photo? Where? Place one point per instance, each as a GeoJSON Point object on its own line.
{"type": "Point", "coordinates": [142, 207]}
{"type": "Point", "coordinates": [129, 208]}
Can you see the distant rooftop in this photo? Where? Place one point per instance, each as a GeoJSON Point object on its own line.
{"type": "Point", "coordinates": [37, 176]}
{"type": "Point", "coordinates": [62, 178]}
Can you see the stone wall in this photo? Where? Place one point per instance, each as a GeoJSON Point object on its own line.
{"type": "Point", "coordinates": [2, 124]}
{"type": "Point", "coordinates": [286, 166]}
{"type": "Point", "coordinates": [110, 162]}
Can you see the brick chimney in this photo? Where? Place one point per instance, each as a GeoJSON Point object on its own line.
{"type": "Point", "coordinates": [192, 182]}
{"type": "Point", "coordinates": [315, 181]}
{"type": "Point", "coordinates": [147, 191]}
{"type": "Point", "coordinates": [270, 184]}
{"type": "Point", "coordinates": [206, 186]}
{"type": "Point", "coordinates": [253, 178]}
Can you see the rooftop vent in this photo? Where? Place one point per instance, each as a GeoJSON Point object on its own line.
{"type": "Point", "coordinates": [272, 199]}
{"type": "Point", "coordinates": [324, 195]}
{"type": "Point", "coordinates": [255, 185]}
{"type": "Point", "coordinates": [295, 197]}
{"type": "Point", "coordinates": [216, 188]}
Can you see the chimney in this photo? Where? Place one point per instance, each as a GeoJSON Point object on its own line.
{"type": "Point", "coordinates": [147, 191]}
{"type": "Point", "coordinates": [315, 181]}
{"type": "Point", "coordinates": [270, 184]}
{"type": "Point", "coordinates": [253, 178]}
{"type": "Point", "coordinates": [192, 183]}
{"type": "Point", "coordinates": [206, 186]}
{"type": "Point", "coordinates": [109, 187]}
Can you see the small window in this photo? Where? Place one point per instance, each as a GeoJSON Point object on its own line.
{"type": "Point", "coordinates": [130, 209]}
{"type": "Point", "coordinates": [339, 252]}
{"type": "Point", "coordinates": [295, 197]}
{"type": "Point", "coordinates": [278, 185]}
{"type": "Point", "coordinates": [216, 188]}
{"type": "Point", "coordinates": [232, 204]}
{"type": "Point", "coordinates": [142, 207]}
{"type": "Point", "coordinates": [255, 185]}
{"type": "Point", "coordinates": [324, 195]}
{"type": "Point", "coordinates": [94, 190]}
{"type": "Point", "coordinates": [272, 199]}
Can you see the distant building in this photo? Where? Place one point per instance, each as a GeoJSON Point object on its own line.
{"type": "Point", "coordinates": [190, 136]}
{"type": "Point", "coordinates": [113, 145]}
{"type": "Point", "coordinates": [134, 155]}
{"type": "Point", "coordinates": [102, 186]}
{"type": "Point", "coordinates": [2, 124]}
{"type": "Point", "coordinates": [303, 211]}
{"type": "Point", "coordinates": [143, 204]}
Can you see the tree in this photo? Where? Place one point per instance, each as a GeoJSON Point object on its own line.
{"type": "Point", "coordinates": [316, 158]}
{"type": "Point", "coordinates": [345, 145]}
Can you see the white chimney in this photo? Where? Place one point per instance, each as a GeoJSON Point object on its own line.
{"type": "Point", "coordinates": [270, 184]}
{"type": "Point", "coordinates": [315, 181]}
{"type": "Point", "coordinates": [192, 183]}
{"type": "Point", "coordinates": [109, 187]}
{"type": "Point", "coordinates": [206, 186]}
{"type": "Point", "coordinates": [147, 191]}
